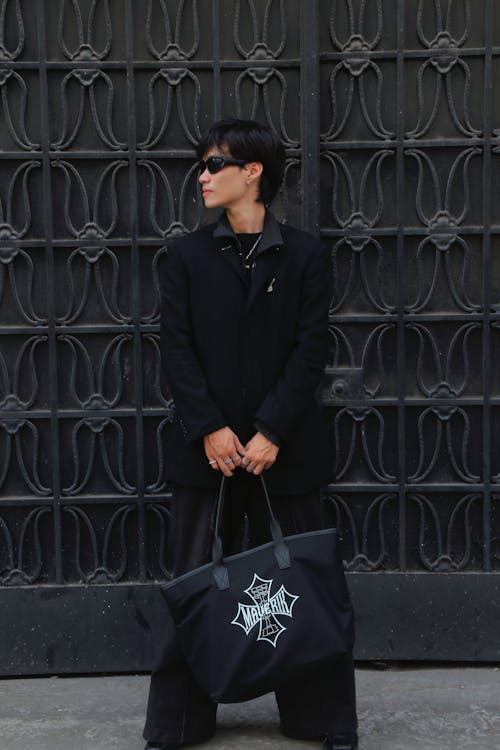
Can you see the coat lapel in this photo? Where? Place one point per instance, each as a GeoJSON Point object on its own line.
{"type": "Point", "coordinates": [263, 279]}
{"type": "Point", "coordinates": [266, 260]}
{"type": "Point", "coordinates": [226, 250]}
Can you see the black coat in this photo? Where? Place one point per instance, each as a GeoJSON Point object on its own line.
{"type": "Point", "coordinates": [245, 356]}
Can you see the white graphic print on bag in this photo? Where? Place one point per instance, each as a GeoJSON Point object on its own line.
{"type": "Point", "coordinates": [265, 610]}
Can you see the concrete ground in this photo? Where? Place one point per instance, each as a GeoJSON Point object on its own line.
{"type": "Point", "coordinates": [410, 708]}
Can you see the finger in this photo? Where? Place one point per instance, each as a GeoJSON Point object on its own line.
{"type": "Point", "coordinates": [225, 468]}
{"type": "Point", "coordinates": [212, 462]}
{"type": "Point", "coordinates": [236, 458]}
{"type": "Point", "coordinates": [230, 464]}
{"type": "Point", "coordinates": [258, 469]}
{"type": "Point", "coordinates": [239, 447]}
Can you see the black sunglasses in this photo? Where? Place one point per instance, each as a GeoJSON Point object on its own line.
{"type": "Point", "coordinates": [214, 164]}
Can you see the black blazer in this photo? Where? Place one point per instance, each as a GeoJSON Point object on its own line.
{"type": "Point", "coordinates": [242, 355]}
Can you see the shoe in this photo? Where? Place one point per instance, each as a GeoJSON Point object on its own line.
{"type": "Point", "coordinates": [162, 746]}
{"type": "Point", "coordinates": [341, 742]}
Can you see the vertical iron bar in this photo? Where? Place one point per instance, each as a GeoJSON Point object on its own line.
{"type": "Point", "coordinates": [309, 115]}
{"type": "Point", "coordinates": [216, 16]}
{"type": "Point", "coordinates": [51, 315]}
{"type": "Point", "coordinates": [486, 281]}
{"type": "Point", "coordinates": [400, 266]}
{"type": "Point", "coordinates": [136, 299]}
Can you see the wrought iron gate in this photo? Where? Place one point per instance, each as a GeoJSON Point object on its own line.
{"type": "Point", "coordinates": [392, 135]}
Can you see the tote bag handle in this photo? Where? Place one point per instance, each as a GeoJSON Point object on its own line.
{"type": "Point", "coordinates": [281, 551]}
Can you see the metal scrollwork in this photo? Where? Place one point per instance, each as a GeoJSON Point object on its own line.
{"type": "Point", "coordinates": [10, 80]}
{"type": "Point", "coordinates": [369, 426]}
{"type": "Point", "coordinates": [14, 226]}
{"type": "Point", "coordinates": [159, 516]}
{"type": "Point", "coordinates": [495, 307]}
{"type": "Point", "coordinates": [449, 369]}
{"type": "Point", "coordinates": [453, 446]}
{"type": "Point", "coordinates": [376, 353]}
{"type": "Point", "coordinates": [443, 238]}
{"type": "Point", "coordinates": [261, 77]}
{"type": "Point", "coordinates": [99, 561]}
{"type": "Point", "coordinates": [109, 370]}
{"type": "Point", "coordinates": [495, 540]}
{"type": "Point", "coordinates": [6, 54]}
{"type": "Point", "coordinates": [288, 198]}
{"type": "Point", "coordinates": [154, 369]}
{"type": "Point", "coordinates": [358, 226]}
{"type": "Point", "coordinates": [87, 80]}
{"type": "Point", "coordinates": [447, 549]}
{"type": "Point", "coordinates": [159, 485]}
{"type": "Point", "coordinates": [495, 469]}
{"type": "Point", "coordinates": [84, 78]}
{"type": "Point", "coordinates": [21, 553]}
{"type": "Point", "coordinates": [153, 316]}
{"type": "Point", "coordinates": [105, 438]}
{"type": "Point", "coordinates": [12, 83]}
{"type": "Point", "coordinates": [157, 395]}
{"type": "Point", "coordinates": [261, 49]}
{"type": "Point", "coordinates": [165, 221]}
{"type": "Point", "coordinates": [179, 80]}
{"type": "Point", "coordinates": [369, 540]}
{"type": "Point", "coordinates": [357, 64]}
{"type": "Point", "coordinates": [98, 23]}
{"type": "Point", "coordinates": [24, 434]}
{"type": "Point", "coordinates": [17, 429]}
{"type": "Point", "coordinates": [160, 106]}
{"type": "Point", "coordinates": [444, 64]}
{"type": "Point", "coordinates": [87, 226]}
{"type": "Point", "coordinates": [172, 46]}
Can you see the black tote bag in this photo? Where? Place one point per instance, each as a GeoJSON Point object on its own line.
{"type": "Point", "coordinates": [252, 622]}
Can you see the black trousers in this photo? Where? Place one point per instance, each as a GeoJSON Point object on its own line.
{"type": "Point", "coordinates": [178, 710]}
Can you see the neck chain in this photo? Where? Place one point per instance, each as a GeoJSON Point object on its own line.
{"type": "Point", "coordinates": [254, 246]}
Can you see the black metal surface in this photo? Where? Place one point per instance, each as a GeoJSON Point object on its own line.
{"type": "Point", "coordinates": [402, 616]}
{"type": "Point", "coordinates": [387, 113]}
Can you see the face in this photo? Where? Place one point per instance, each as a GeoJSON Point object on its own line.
{"type": "Point", "coordinates": [232, 186]}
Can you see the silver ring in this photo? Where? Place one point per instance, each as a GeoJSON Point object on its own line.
{"type": "Point", "coordinates": [245, 462]}
{"type": "Point", "coordinates": [213, 461]}
{"type": "Point", "coordinates": [228, 460]}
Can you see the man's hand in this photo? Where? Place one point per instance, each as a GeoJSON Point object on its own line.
{"type": "Point", "coordinates": [259, 454]}
{"type": "Point", "coordinates": [223, 450]}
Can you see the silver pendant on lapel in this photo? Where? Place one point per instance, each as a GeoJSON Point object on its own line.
{"type": "Point", "coordinates": [262, 281]}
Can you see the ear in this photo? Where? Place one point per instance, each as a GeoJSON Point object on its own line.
{"type": "Point", "coordinates": [254, 170]}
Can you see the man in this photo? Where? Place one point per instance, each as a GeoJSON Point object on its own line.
{"type": "Point", "coordinates": [244, 344]}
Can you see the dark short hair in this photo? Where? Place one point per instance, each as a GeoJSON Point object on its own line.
{"type": "Point", "coordinates": [250, 141]}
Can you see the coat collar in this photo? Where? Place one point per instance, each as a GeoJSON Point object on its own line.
{"type": "Point", "coordinates": [271, 239]}
{"type": "Point", "coordinates": [271, 234]}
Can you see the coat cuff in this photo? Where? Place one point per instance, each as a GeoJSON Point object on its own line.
{"type": "Point", "coordinates": [269, 434]}
{"type": "Point", "coordinates": [193, 435]}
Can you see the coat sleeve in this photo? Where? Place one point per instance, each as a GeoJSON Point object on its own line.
{"type": "Point", "coordinates": [198, 413]}
{"type": "Point", "coordinates": [297, 385]}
